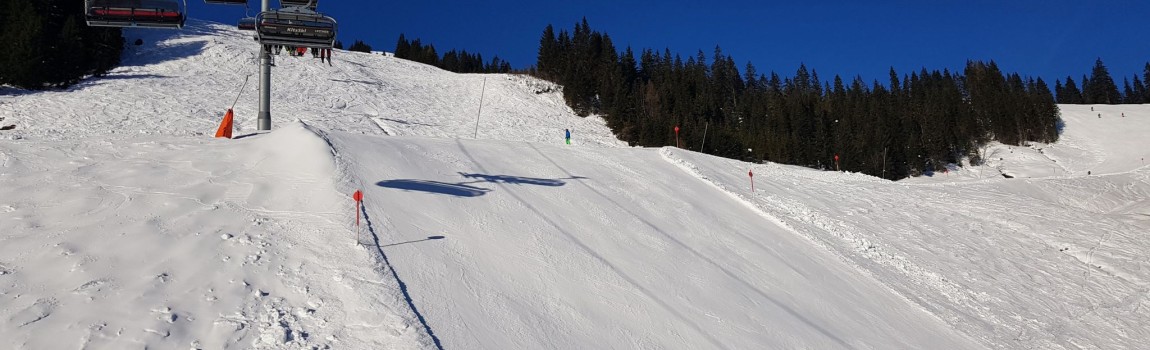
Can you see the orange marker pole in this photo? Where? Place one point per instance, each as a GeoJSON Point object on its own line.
{"type": "Point", "coordinates": [225, 129]}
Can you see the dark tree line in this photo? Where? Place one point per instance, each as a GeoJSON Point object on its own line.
{"type": "Point", "coordinates": [359, 46]}
{"type": "Point", "coordinates": [454, 61]}
{"type": "Point", "coordinates": [1100, 88]}
{"type": "Point", "coordinates": [47, 44]}
{"type": "Point", "coordinates": [912, 125]}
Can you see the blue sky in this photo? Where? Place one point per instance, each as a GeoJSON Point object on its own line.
{"type": "Point", "coordinates": [1048, 39]}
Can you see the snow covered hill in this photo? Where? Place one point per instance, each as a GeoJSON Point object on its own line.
{"type": "Point", "coordinates": [123, 225]}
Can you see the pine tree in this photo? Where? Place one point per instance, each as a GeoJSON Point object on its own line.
{"type": "Point", "coordinates": [1073, 95]}
{"type": "Point", "coordinates": [1059, 91]}
{"type": "Point", "coordinates": [23, 53]}
{"type": "Point", "coordinates": [1128, 94]}
{"type": "Point", "coordinates": [1146, 79]}
{"type": "Point", "coordinates": [68, 57]}
{"type": "Point", "coordinates": [1101, 88]}
{"type": "Point", "coordinates": [549, 60]}
{"type": "Point", "coordinates": [402, 47]}
{"type": "Point", "coordinates": [1139, 92]}
{"type": "Point", "coordinates": [48, 46]}
{"type": "Point", "coordinates": [360, 46]}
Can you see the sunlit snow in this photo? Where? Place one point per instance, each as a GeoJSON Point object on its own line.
{"type": "Point", "coordinates": [124, 224]}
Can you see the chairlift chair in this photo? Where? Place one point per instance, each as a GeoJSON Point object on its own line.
{"type": "Point", "coordinates": [136, 13]}
{"type": "Point", "coordinates": [227, 2]}
{"type": "Point", "coordinates": [247, 23]}
{"type": "Point", "coordinates": [296, 27]}
{"type": "Point", "coordinates": [312, 4]}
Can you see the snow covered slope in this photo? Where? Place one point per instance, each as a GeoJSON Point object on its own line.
{"type": "Point", "coordinates": [182, 82]}
{"type": "Point", "coordinates": [122, 225]}
{"type": "Point", "coordinates": [1097, 139]}
{"type": "Point", "coordinates": [548, 247]}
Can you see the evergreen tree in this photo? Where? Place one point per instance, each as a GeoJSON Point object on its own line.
{"type": "Point", "coordinates": [20, 60]}
{"type": "Point", "coordinates": [549, 59]}
{"type": "Point", "coordinates": [1146, 80]}
{"type": "Point", "coordinates": [919, 123]}
{"type": "Point", "coordinates": [1101, 88]}
{"type": "Point", "coordinates": [402, 47]}
{"type": "Point", "coordinates": [1071, 92]}
{"type": "Point", "coordinates": [68, 59]}
{"type": "Point", "coordinates": [1139, 92]}
{"type": "Point", "coordinates": [360, 46]}
{"type": "Point", "coordinates": [1128, 95]}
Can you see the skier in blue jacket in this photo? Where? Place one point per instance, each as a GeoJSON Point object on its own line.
{"type": "Point", "coordinates": [568, 136]}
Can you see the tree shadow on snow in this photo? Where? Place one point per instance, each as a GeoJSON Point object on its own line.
{"type": "Point", "coordinates": [518, 180]}
{"type": "Point", "coordinates": [436, 187]}
{"type": "Point", "coordinates": [466, 189]}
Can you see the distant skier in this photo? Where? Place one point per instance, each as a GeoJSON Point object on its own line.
{"type": "Point", "coordinates": [568, 135]}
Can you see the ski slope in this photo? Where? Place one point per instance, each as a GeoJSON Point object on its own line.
{"type": "Point", "coordinates": [124, 225]}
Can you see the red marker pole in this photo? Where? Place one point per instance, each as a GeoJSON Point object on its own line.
{"type": "Point", "coordinates": [677, 137]}
{"type": "Point", "coordinates": [751, 174]}
{"type": "Point", "coordinates": [358, 197]}
{"type": "Point", "coordinates": [837, 162]}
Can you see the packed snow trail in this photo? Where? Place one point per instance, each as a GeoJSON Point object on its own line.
{"type": "Point", "coordinates": [557, 247]}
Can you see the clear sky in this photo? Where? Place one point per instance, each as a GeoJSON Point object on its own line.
{"type": "Point", "coordinates": [1049, 39]}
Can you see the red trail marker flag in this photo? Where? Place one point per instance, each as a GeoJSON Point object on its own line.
{"type": "Point", "coordinates": [751, 174]}
{"type": "Point", "coordinates": [358, 197]}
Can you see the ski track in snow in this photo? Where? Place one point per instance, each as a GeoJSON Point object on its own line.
{"type": "Point", "coordinates": [123, 225]}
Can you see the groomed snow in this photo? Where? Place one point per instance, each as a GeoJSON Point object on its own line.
{"type": "Point", "coordinates": [123, 224]}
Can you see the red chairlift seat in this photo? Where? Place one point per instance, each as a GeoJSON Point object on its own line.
{"type": "Point", "coordinates": [247, 23]}
{"type": "Point", "coordinates": [135, 13]}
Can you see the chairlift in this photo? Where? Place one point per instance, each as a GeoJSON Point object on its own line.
{"type": "Point", "coordinates": [226, 2]}
{"type": "Point", "coordinates": [295, 27]}
{"type": "Point", "coordinates": [247, 23]}
{"type": "Point", "coordinates": [136, 13]}
{"type": "Point", "coordinates": [312, 4]}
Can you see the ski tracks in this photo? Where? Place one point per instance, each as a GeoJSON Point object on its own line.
{"type": "Point", "coordinates": [795, 214]}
